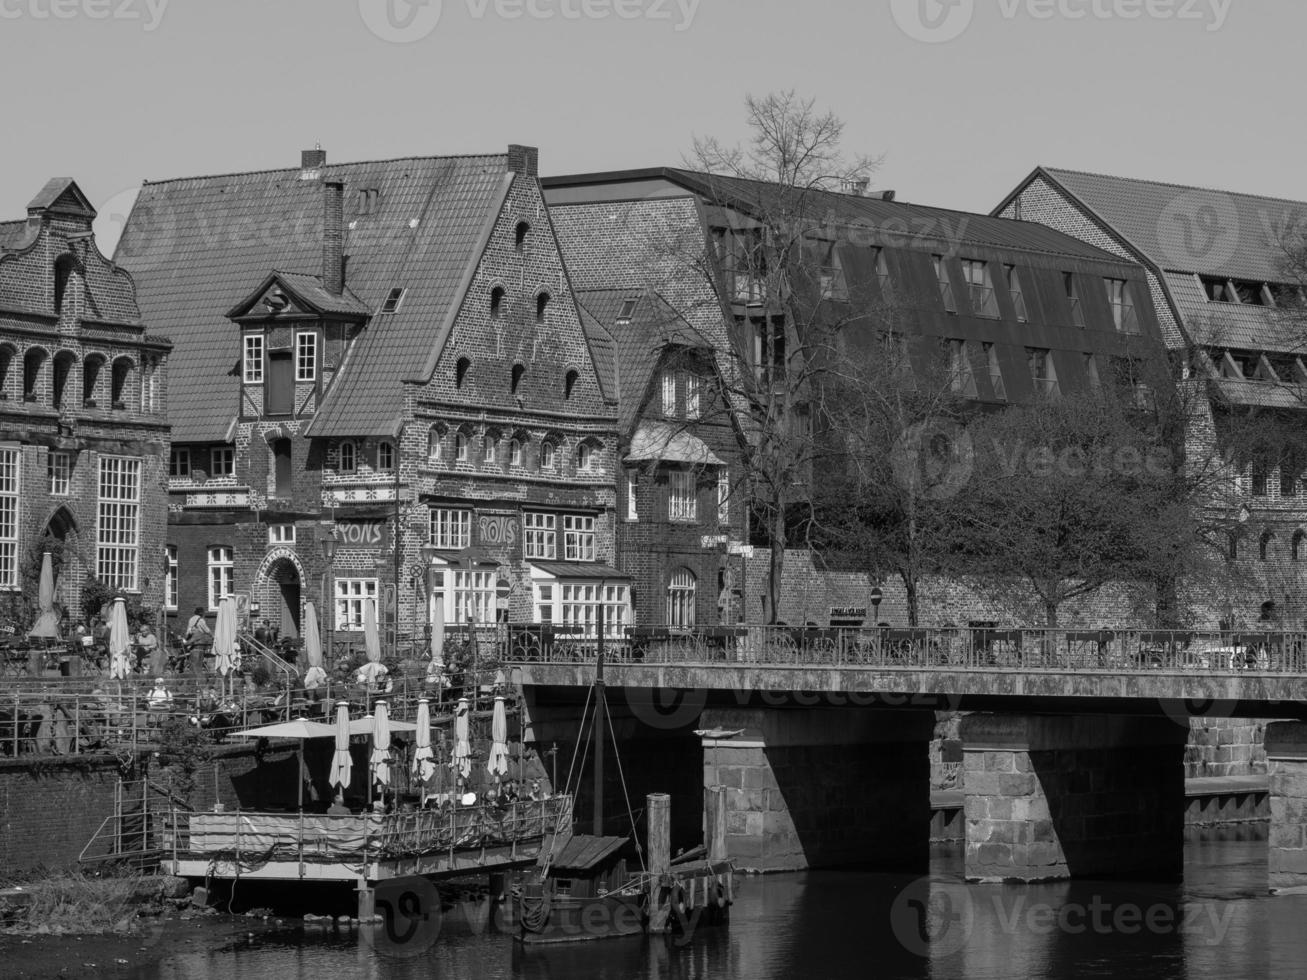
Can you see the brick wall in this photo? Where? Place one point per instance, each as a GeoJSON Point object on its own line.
{"type": "Point", "coordinates": [48, 816]}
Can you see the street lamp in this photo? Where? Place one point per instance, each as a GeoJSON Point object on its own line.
{"type": "Point", "coordinates": [429, 552]}
{"type": "Point", "coordinates": [328, 618]}
{"type": "Point", "coordinates": [876, 596]}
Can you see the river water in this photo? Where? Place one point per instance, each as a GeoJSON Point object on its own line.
{"type": "Point", "coordinates": [1218, 922]}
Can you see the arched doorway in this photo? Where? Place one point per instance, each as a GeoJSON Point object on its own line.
{"type": "Point", "coordinates": [62, 526]}
{"type": "Point", "coordinates": [286, 581]}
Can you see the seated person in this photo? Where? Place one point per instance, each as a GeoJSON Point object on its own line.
{"type": "Point", "coordinates": [315, 684]}
{"type": "Point", "coordinates": [338, 807]}
{"type": "Point", "coordinates": [160, 697]}
{"type": "Point", "coordinates": [147, 646]}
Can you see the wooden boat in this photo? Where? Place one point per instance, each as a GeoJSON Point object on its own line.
{"type": "Point", "coordinates": [582, 889]}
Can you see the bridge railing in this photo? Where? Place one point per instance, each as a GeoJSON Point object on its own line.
{"type": "Point", "coordinates": [1009, 649]}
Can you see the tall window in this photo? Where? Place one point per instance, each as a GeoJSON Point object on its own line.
{"type": "Point", "coordinates": [348, 457]}
{"type": "Point", "coordinates": [961, 378]}
{"type": "Point", "coordinates": [170, 577]}
{"type": "Point", "coordinates": [448, 529]}
{"type": "Point", "coordinates": [1014, 290]}
{"type": "Point", "coordinates": [222, 461]}
{"type": "Point", "coordinates": [306, 356]}
{"type": "Point", "coordinates": [669, 395]}
{"type": "Point", "coordinates": [461, 442]}
{"type": "Point", "coordinates": [10, 462]}
{"type": "Point", "coordinates": [692, 383]}
{"type": "Point", "coordinates": [547, 455]}
{"type": "Point", "coordinates": [1091, 372]}
{"type": "Point", "coordinates": [1042, 372]}
{"type": "Point", "coordinates": [578, 538]}
{"type": "Point", "coordinates": [435, 444]}
{"type": "Point", "coordinates": [118, 521]}
{"type": "Point", "coordinates": [769, 348]}
{"type": "Point", "coordinates": [632, 486]}
{"type": "Point", "coordinates": [222, 574]}
{"type": "Point", "coordinates": [179, 463]}
{"type": "Point", "coordinates": [515, 452]}
{"type": "Point", "coordinates": [253, 370]}
{"type": "Point", "coordinates": [1123, 307]}
{"type": "Point", "coordinates": [945, 288]}
{"type": "Point", "coordinates": [995, 372]}
{"type": "Point", "coordinates": [981, 288]}
{"type": "Point", "coordinates": [1073, 299]}
{"type": "Point", "coordinates": [489, 443]}
{"type": "Point", "coordinates": [538, 538]}
{"type": "Point", "coordinates": [581, 601]}
{"type": "Point", "coordinates": [351, 595]}
{"type": "Point", "coordinates": [149, 386]}
{"type": "Point", "coordinates": [680, 598]}
{"type": "Point", "coordinates": [474, 596]}
{"type": "Point", "coordinates": [584, 457]}
{"type": "Point", "coordinates": [60, 468]}
{"type": "Point", "coordinates": [385, 455]}
{"type": "Point", "coordinates": [682, 499]}
{"type": "Point", "coordinates": [723, 498]}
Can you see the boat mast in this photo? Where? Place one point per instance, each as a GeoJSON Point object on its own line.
{"type": "Point", "coordinates": [600, 713]}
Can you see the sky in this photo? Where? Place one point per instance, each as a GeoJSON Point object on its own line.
{"type": "Point", "coordinates": [960, 98]}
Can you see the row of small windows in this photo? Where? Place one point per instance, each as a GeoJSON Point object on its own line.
{"type": "Point", "coordinates": [37, 369]}
{"type": "Point", "coordinates": [1266, 546]}
{"type": "Point", "coordinates": [463, 367]}
{"type": "Point", "coordinates": [441, 450]}
{"type": "Point", "coordinates": [256, 355]}
{"type": "Point", "coordinates": [499, 299]}
{"type": "Point", "coordinates": [1249, 292]}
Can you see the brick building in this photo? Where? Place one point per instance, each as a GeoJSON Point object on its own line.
{"type": "Point", "coordinates": [83, 400]}
{"type": "Point", "coordinates": [1231, 319]}
{"type": "Point", "coordinates": [386, 355]}
{"type": "Point", "coordinates": [1024, 310]}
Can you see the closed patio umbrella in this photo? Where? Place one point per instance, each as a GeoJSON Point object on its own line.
{"type": "Point", "coordinates": [47, 623]}
{"type": "Point", "coordinates": [379, 765]}
{"type": "Point", "coordinates": [424, 759]}
{"type": "Point", "coordinates": [462, 757]}
{"type": "Point", "coordinates": [120, 661]}
{"type": "Point", "coordinates": [312, 636]}
{"type": "Point", "coordinates": [497, 764]}
{"type": "Point", "coordinates": [371, 639]}
{"type": "Point", "coordinates": [341, 767]}
{"type": "Point", "coordinates": [437, 635]}
{"type": "Point", "coordinates": [224, 637]}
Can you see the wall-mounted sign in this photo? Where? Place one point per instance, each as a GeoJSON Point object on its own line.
{"type": "Point", "coordinates": [498, 529]}
{"type": "Point", "coordinates": [371, 535]}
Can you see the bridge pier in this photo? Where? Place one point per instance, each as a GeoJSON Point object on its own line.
{"type": "Point", "coordinates": [1050, 797]}
{"type": "Point", "coordinates": [822, 787]}
{"type": "Point", "coordinates": [1286, 757]}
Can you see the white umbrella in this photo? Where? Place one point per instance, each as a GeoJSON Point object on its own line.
{"type": "Point", "coordinates": [47, 623]}
{"type": "Point", "coordinates": [424, 760]}
{"type": "Point", "coordinates": [341, 768]}
{"type": "Point", "coordinates": [371, 640]}
{"type": "Point", "coordinates": [497, 764]}
{"type": "Point", "coordinates": [380, 762]}
{"type": "Point", "coordinates": [224, 636]}
{"type": "Point", "coordinates": [437, 635]}
{"type": "Point", "coordinates": [312, 637]}
{"type": "Point", "coordinates": [462, 757]}
{"type": "Point", "coordinates": [120, 662]}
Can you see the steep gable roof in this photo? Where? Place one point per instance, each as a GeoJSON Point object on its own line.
{"type": "Point", "coordinates": [1183, 228]}
{"type": "Point", "coordinates": [62, 195]}
{"type": "Point", "coordinates": [195, 246]}
{"type": "Point", "coordinates": [308, 293]}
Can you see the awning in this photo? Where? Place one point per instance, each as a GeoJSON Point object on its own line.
{"type": "Point", "coordinates": [583, 852]}
{"type": "Point", "coordinates": [575, 569]}
{"type": "Point", "coordinates": [664, 443]}
{"type": "Point", "coordinates": [475, 556]}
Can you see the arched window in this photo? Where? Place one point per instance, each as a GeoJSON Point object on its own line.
{"type": "Point", "coordinates": [1298, 537]}
{"type": "Point", "coordinates": [584, 457]}
{"type": "Point", "coordinates": [33, 361]}
{"type": "Point", "coordinates": [516, 377]}
{"type": "Point", "coordinates": [460, 371]}
{"type": "Point", "coordinates": [6, 368]}
{"type": "Point", "coordinates": [435, 444]}
{"type": "Point", "coordinates": [542, 307]}
{"type": "Point", "coordinates": [523, 229]}
{"type": "Point", "coordinates": [569, 383]}
{"type": "Point", "coordinates": [461, 442]}
{"type": "Point", "coordinates": [90, 378]}
{"type": "Point", "coordinates": [515, 453]}
{"type": "Point", "coordinates": [385, 455]}
{"type": "Point", "coordinates": [122, 373]}
{"type": "Point", "coordinates": [63, 273]}
{"type": "Point", "coordinates": [348, 457]}
{"type": "Point", "coordinates": [63, 368]}
{"type": "Point", "coordinates": [546, 455]}
{"type": "Point", "coordinates": [497, 302]}
{"type": "Point", "coordinates": [489, 445]}
{"type": "Point", "coordinates": [680, 598]}
{"type": "Point", "coordinates": [1266, 545]}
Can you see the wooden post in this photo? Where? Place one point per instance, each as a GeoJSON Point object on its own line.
{"type": "Point", "coordinates": [715, 836]}
{"type": "Point", "coordinates": [658, 806]}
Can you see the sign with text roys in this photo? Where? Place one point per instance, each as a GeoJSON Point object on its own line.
{"type": "Point", "coordinates": [368, 535]}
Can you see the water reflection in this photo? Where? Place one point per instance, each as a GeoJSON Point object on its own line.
{"type": "Point", "coordinates": [1219, 922]}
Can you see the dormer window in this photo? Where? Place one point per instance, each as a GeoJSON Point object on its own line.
{"type": "Point", "coordinates": [393, 300]}
{"type": "Point", "coordinates": [253, 360]}
{"type": "Point", "coordinates": [627, 311]}
{"type": "Point", "coordinates": [348, 457]}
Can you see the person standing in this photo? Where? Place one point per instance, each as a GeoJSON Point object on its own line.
{"type": "Point", "coordinates": [197, 637]}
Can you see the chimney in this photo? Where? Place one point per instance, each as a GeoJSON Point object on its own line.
{"type": "Point", "coordinates": [311, 163]}
{"type": "Point", "coordinates": [333, 237]}
{"type": "Point", "coordinates": [524, 160]}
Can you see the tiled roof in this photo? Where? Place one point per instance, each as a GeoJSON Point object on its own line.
{"type": "Point", "coordinates": [903, 220]}
{"type": "Point", "coordinates": [310, 288]}
{"type": "Point", "coordinates": [577, 569]}
{"type": "Point", "coordinates": [1189, 229]}
{"type": "Point", "coordinates": [603, 351]}
{"type": "Point", "coordinates": [640, 340]}
{"type": "Point", "coordinates": [197, 245]}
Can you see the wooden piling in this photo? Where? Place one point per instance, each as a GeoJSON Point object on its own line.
{"type": "Point", "coordinates": [715, 829]}
{"type": "Point", "coordinates": [658, 806]}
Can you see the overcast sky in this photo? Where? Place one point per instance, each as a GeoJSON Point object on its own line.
{"type": "Point", "coordinates": [962, 98]}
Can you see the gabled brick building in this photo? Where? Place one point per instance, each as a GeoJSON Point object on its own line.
{"type": "Point", "coordinates": [1231, 316]}
{"type": "Point", "coordinates": [388, 355]}
{"type": "Point", "coordinates": [83, 401]}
